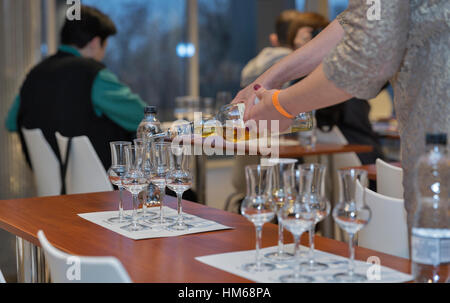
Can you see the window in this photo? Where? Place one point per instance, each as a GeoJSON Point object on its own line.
{"type": "Point", "coordinates": [300, 5]}
{"type": "Point", "coordinates": [143, 53]}
{"type": "Point", "coordinates": [335, 7]}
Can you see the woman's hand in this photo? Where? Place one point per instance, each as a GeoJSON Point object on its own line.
{"type": "Point", "coordinates": [246, 96]}
{"type": "Point", "coordinates": [265, 110]}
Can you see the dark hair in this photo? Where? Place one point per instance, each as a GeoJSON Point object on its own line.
{"type": "Point", "coordinates": [314, 20]}
{"type": "Point", "coordinates": [93, 24]}
{"type": "Point", "coordinates": [283, 23]}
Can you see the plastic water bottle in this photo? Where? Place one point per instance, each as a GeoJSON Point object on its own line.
{"type": "Point", "coordinates": [150, 125]}
{"type": "Point", "coordinates": [430, 241]}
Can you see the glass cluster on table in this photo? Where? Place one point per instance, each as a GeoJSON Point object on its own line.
{"type": "Point", "coordinates": [296, 197]}
{"type": "Point", "coordinates": [145, 169]}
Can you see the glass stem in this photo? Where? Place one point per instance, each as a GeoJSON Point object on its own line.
{"type": "Point", "coordinates": [180, 209]}
{"type": "Point", "coordinates": [258, 246]}
{"type": "Point", "coordinates": [161, 197]}
{"type": "Point", "coordinates": [351, 263]}
{"type": "Point", "coordinates": [135, 205]}
{"type": "Point", "coordinates": [121, 203]}
{"type": "Point", "coordinates": [297, 256]}
{"type": "Point", "coordinates": [280, 237]}
{"type": "Point", "coordinates": [311, 245]}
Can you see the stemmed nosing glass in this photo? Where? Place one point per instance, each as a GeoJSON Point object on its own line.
{"type": "Point", "coordinates": [179, 179]}
{"type": "Point", "coordinates": [281, 194]}
{"type": "Point", "coordinates": [312, 192]}
{"type": "Point", "coordinates": [160, 159]}
{"type": "Point", "coordinates": [116, 173]}
{"type": "Point", "coordinates": [297, 217]}
{"type": "Point", "coordinates": [258, 208]}
{"type": "Point", "coordinates": [351, 214]}
{"type": "Point", "coordinates": [150, 195]}
{"type": "Point", "coordinates": [135, 181]}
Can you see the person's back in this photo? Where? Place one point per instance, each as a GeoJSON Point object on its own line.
{"type": "Point", "coordinates": [270, 55]}
{"type": "Point", "coordinates": [73, 93]}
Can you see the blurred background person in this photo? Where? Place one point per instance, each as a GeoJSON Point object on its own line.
{"type": "Point", "coordinates": [270, 55]}
{"type": "Point", "coordinates": [73, 93]}
{"type": "Point", "coordinates": [352, 116]}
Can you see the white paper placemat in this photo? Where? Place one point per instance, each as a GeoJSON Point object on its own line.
{"type": "Point", "coordinates": [157, 230]}
{"type": "Point", "coordinates": [232, 263]}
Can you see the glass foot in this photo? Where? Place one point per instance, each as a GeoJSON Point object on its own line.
{"type": "Point", "coordinates": [149, 215]}
{"type": "Point", "coordinates": [313, 266]}
{"type": "Point", "coordinates": [253, 267]}
{"type": "Point", "coordinates": [279, 256]}
{"type": "Point", "coordinates": [179, 226]}
{"type": "Point", "coordinates": [135, 227]}
{"type": "Point", "coordinates": [296, 279]}
{"type": "Point", "coordinates": [347, 278]}
{"type": "Point", "coordinates": [115, 220]}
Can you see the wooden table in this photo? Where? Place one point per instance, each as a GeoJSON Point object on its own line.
{"type": "Point", "coordinates": [372, 169]}
{"type": "Point", "coordinates": [151, 260]}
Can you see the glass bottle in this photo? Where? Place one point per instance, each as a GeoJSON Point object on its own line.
{"type": "Point", "coordinates": [150, 125]}
{"type": "Point", "coordinates": [430, 241]}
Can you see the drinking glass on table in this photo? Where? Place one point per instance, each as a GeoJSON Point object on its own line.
{"type": "Point", "coordinates": [135, 181]}
{"type": "Point", "coordinates": [312, 192]}
{"type": "Point", "coordinates": [148, 199]}
{"type": "Point", "coordinates": [297, 217]}
{"type": "Point", "coordinates": [160, 158]}
{"type": "Point", "coordinates": [116, 173]}
{"type": "Point", "coordinates": [351, 214]}
{"type": "Point", "coordinates": [281, 194]}
{"type": "Point", "coordinates": [258, 208]}
{"type": "Point", "coordinates": [179, 179]}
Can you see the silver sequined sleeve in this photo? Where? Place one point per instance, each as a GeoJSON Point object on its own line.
{"type": "Point", "coordinates": [371, 51]}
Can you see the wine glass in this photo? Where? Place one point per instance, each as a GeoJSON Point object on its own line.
{"type": "Point", "coordinates": [351, 214]}
{"type": "Point", "coordinates": [258, 208]}
{"type": "Point", "coordinates": [135, 181]}
{"type": "Point", "coordinates": [148, 199]}
{"type": "Point", "coordinates": [179, 180]}
{"type": "Point", "coordinates": [281, 194]}
{"type": "Point", "coordinates": [160, 155]}
{"type": "Point", "coordinates": [116, 173]}
{"type": "Point", "coordinates": [311, 191]}
{"type": "Point", "coordinates": [297, 217]}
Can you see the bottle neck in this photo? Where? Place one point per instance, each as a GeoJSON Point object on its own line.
{"type": "Point", "coordinates": [150, 117]}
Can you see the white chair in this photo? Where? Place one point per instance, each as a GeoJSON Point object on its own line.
{"type": "Point", "coordinates": [66, 268]}
{"type": "Point", "coordinates": [45, 164]}
{"type": "Point", "coordinates": [389, 180]}
{"type": "Point", "coordinates": [387, 230]}
{"type": "Point", "coordinates": [2, 279]}
{"type": "Point", "coordinates": [85, 172]}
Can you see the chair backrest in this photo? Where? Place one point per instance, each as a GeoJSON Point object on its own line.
{"type": "Point", "coordinates": [66, 268]}
{"type": "Point", "coordinates": [45, 164]}
{"type": "Point", "coordinates": [389, 180]}
{"type": "Point", "coordinates": [85, 172]}
{"type": "Point", "coordinates": [2, 279]}
{"type": "Point", "coordinates": [387, 230]}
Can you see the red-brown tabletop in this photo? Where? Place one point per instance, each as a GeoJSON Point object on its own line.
{"type": "Point", "coordinates": [372, 169]}
{"type": "Point", "coordinates": [152, 260]}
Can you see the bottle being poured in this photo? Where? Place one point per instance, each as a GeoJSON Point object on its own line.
{"type": "Point", "coordinates": [229, 124]}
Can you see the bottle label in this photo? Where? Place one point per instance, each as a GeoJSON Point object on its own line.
{"type": "Point", "coordinates": [430, 246]}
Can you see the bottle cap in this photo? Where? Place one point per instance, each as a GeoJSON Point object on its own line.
{"type": "Point", "coordinates": [439, 139]}
{"type": "Point", "coordinates": [150, 110]}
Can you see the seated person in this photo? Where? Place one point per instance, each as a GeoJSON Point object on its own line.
{"type": "Point", "coordinates": [73, 93]}
{"type": "Point", "coordinates": [352, 116]}
{"type": "Point", "coordinates": [270, 55]}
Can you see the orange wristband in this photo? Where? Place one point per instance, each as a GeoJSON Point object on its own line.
{"type": "Point", "coordinates": [276, 104]}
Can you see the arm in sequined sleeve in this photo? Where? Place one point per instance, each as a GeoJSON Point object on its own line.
{"type": "Point", "coordinates": [371, 50]}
